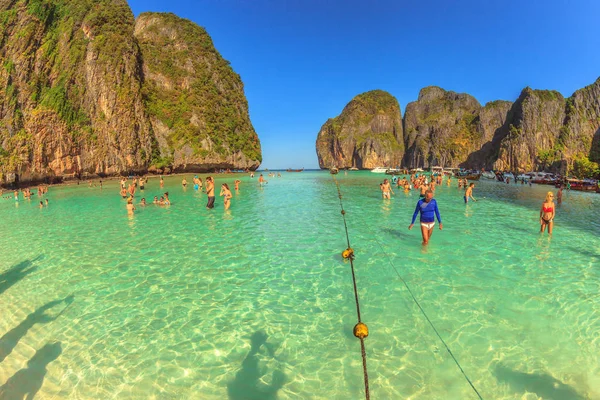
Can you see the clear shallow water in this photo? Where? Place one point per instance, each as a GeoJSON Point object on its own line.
{"type": "Point", "coordinates": [256, 303]}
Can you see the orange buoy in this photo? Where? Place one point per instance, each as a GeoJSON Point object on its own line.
{"type": "Point", "coordinates": [361, 330]}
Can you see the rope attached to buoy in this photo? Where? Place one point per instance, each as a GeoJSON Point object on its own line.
{"type": "Point", "coordinates": [361, 331]}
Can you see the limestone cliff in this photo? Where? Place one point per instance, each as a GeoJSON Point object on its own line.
{"type": "Point", "coordinates": [441, 128]}
{"type": "Point", "coordinates": [367, 134]}
{"type": "Point", "coordinates": [493, 124]}
{"type": "Point", "coordinates": [195, 100]}
{"type": "Point", "coordinates": [70, 91]}
{"type": "Point", "coordinates": [77, 96]}
{"type": "Point", "coordinates": [581, 132]}
{"type": "Point", "coordinates": [535, 125]}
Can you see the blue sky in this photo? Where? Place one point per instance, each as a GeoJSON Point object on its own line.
{"type": "Point", "coordinates": [302, 61]}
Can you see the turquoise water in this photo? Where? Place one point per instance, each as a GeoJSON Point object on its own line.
{"type": "Point", "coordinates": [257, 303]}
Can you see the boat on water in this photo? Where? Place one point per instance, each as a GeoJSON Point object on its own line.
{"type": "Point", "coordinates": [353, 169]}
{"type": "Point", "coordinates": [393, 171]}
{"type": "Point", "coordinates": [379, 170]}
{"type": "Point", "coordinates": [472, 177]}
{"type": "Point", "coordinates": [488, 175]}
{"type": "Point", "coordinates": [583, 185]}
{"type": "Point", "coordinates": [294, 170]}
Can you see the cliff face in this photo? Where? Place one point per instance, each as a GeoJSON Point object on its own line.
{"type": "Point", "coordinates": [367, 134]}
{"type": "Point", "coordinates": [581, 133]}
{"type": "Point", "coordinates": [195, 100]}
{"type": "Point", "coordinates": [73, 98]}
{"type": "Point", "coordinates": [540, 131]}
{"type": "Point", "coordinates": [70, 90]}
{"type": "Point", "coordinates": [441, 128]}
{"type": "Point", "coordinates": [534, 129]}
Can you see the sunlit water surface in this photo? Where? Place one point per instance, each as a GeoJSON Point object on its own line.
{"type": "Point", "coordinates": [257, 303]}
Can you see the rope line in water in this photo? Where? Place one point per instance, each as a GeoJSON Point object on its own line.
{"type": "Point", "coordinates": [428, 320]}
{"type": "Point", "coordinates": [362, 336]}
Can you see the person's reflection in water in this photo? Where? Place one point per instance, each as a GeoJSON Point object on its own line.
{"type": "Point", "coordinates": [245, 386]}
{"type": "Point", "coordinates": [28, 381]}
{"type": "Point", "coordinates": [10, 340]}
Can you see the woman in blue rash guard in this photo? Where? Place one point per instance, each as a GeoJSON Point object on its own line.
{"type": "Point", "coordinates": [428, 209]}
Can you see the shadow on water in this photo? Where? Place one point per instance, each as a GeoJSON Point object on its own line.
{"type": "Point", "coordinates": [397, 232]}
{"type": "Point", "coordinates": [28, 381]}
{"type": "Point", "coordinates": [15, 273]}
{"type": "Point", "coordinates": [246, 385]}
{"type": "Point", "coordinates": [543, 385]}
{"type": "Point", "coordinates": [10, 340]}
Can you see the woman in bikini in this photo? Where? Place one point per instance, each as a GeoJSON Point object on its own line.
{"type": "Point", "coordinates": [547, 213]}
{"type": "Point", "coordinates": [226, 193]}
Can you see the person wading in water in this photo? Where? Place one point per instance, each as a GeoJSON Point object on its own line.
{"type": "Point", "coordinates": [428, 209]}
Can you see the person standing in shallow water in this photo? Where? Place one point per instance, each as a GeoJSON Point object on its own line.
{"type": "Point", "coordinates": [547, 213]}
{"type": "Point", "coordinates": [226, 193]}
{"type": "Point", "coordinates": [469, 193]}
{"type": "Point", "coordinates": [386, 188]}
{"type": "Point", "coordinates": [237, 185]}
{"type": "Point", "coordinates": [429, 210]}
{"type": "Point", "coordinates": [210, 192]}
{"type": "Point", "coordinates": [559, 195]}
{"type": "Point", "coordinates": [130, 206]}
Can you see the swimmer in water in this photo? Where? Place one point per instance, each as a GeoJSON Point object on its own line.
{"type": "Point", "coordinates": [261, 180]}
{"type": "Point", "coordinates": [428, 209]}
{"type": "Point", "coordinates": [210, 192]}
{"type": "Point", "coordinates": [155, 200]}
{"type": "Point", "coordinates": [46, 202]}
{"type": "Point", "coordinates": [167, 202]}
{"type": "Point", "coordinates": [547, 213]}
{"type": "Point", "coordinates": [237, 185]}
{"type": "Point", "coordinates": [559, 195]}
{"type": "Point", "coordinates": [469, 193]}
{"type": "Point", "coordinates": [130, 206]}
{"type": "Point", "coordinates": [196, 183]}
{"type": "Point", "coordinates": [143, 202]}
{"type": "Point", "coordinates": [423, 191]}
{"type": "Point", "coordinates": [132, 190]}
{"type": "Point", "coordinates": [142, 183]}
{"type": "Point", "coordinates": [386, 188]}
{"type": "Point", "coordinates": [41, 204]}
{"type": "Point", "coordinates": [226, 194]}
{"type": "Point", "coordinates": [184, 183]}
{"type": "Point", "coordinates": [123, 193]}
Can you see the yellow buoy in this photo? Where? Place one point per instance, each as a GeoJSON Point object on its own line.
{"type": "Point", "coordinates": [361, 330]}
{"type": "Point", "coordinates": [348, 253]}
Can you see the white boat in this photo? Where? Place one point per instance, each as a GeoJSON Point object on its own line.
{"type": "Point", "coordinates": [393, 171]}
{"type": "Point", "coordinates": [379, 170]}
{"type": "Point", "coordinates": [509, 175]}
{"type": "Point", "coordinates": [450, 171]}
{"type": "Point", "coordinates": [353, 169]}
{"type": "Point", "coordinates": [488, 175]}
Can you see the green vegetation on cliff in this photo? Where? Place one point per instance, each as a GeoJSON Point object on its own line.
{"type": "Point", "coordinates": [191, 89]}
{"type": "Point", "coordinates": [78, 95]}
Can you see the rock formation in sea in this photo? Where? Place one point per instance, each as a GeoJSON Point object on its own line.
{"type": "Point", "coordinates": [541, 130]}
{"type": "Point", "coordinates": [534, 127]}
{"type": "Point", "coordinates": [77, 96]}
{"type": "Point", "coordinates": [195, 100]}
{"type": "Point", "coordinates": [441, 128]}
{"type": "Point", "coordinates": [367, 134]}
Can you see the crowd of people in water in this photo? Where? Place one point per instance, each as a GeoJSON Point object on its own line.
{"type": "Point", "coordinates": [426, 185]}
{"type": "Point", "coordinates": [128, 190]}
{"type": "Point", "coordinates": [428, 209]}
